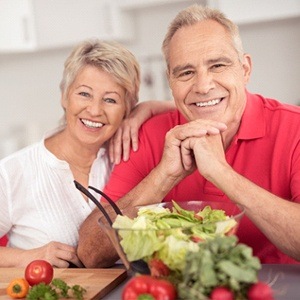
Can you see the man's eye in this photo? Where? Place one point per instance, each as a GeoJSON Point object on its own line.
{"type": "Point", "coordinates": [218, 66]}
{"type": "Point", "coordinates": [110, 100]}
{"type": "Point", "coordinates": [185, 73]}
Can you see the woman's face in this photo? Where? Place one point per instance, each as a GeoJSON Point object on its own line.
{"type": "Point", "coordinates": [94, 106]}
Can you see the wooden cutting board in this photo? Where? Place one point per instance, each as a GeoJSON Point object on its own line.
{"type": "Point", "coordinates": [97, 282]}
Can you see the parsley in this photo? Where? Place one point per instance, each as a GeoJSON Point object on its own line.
{"type": "Point", "coordinates": [55, 290]}
{"type": "Point", "coordinates": [221, 261]}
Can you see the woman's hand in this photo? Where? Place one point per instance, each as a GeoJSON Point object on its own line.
{"type": "Point", "coordinates": [126, 136]}
{"type": "Point", "coordinates": [57, 254]}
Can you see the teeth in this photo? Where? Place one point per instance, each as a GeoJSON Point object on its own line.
{"type": "Point", "coordinates": [208, 103]}
{"type": "Point", "coordinates": [91, 124]}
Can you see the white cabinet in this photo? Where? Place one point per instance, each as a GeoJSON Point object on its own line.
{"type": "Point", "coordinates": [30, 25]}
{"type": "Point", "coordinates": [253, 11]}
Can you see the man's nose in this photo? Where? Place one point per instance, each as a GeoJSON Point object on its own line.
{"type": "Point", "coordinates": [203, 83]}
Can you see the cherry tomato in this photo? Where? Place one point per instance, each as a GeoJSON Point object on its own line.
{"type": "Point", "coordinates": [39, 271]}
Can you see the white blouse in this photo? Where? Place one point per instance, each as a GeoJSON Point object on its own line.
{"type": "Point", "coordinates": [39, 202]}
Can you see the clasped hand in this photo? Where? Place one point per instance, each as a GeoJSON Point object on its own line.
{"type": "Point", "coordinates": [194, 145]}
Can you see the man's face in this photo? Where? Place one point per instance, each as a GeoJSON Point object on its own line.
{"type": "Point", "coordinates": [206, 77]}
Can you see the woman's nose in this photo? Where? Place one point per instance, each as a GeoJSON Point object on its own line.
{"type": "Point", "coordinates": [95, 107]}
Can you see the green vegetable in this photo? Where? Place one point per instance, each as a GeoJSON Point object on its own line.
{"type": "Point", "coordinates": [55, 290]}
{"type": "Point", "coordinates": [165, 234]}
{"type": "Point", "coordinates": [42, 291]}
{"type": "Point", "coordinates": [220, 262]}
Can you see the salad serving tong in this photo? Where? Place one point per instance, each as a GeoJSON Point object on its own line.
{"type": "Point", "coordinates": [138, 266]}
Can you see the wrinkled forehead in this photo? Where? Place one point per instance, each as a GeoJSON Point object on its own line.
{"type": "Point", "coordinates": [204, 40]}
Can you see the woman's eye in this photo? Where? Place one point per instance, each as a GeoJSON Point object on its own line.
{"type": "Point", "coordinates": [110, 100]}
{"type": "Point", "coordinates": [84, 94]}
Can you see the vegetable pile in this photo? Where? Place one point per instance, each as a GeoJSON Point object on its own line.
{"type": "Point", "coordinates": [39, 275]}
{"type": "Point", "coordinates": [222, 267]}
{"type": "Point", "coordinates": [167, 235]}
{"type": "Point", "coordinates": [191, 255]}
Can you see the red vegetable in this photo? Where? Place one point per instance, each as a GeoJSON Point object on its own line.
{"type": "Point", "coordinates": [221, 293]}
{"type": "Point", "coordinates": [260, 291]}
{"type": "Point", "coordinates": [39, 271]}
{"type": "Point", "coordinates": [158, 268]}
{"type": "Point", "coordinates": [147, 287]}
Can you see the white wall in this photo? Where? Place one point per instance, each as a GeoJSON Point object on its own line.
{"type": "Point", "coordinates": [29, 82]}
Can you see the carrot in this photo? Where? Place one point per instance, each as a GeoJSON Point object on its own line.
{"type": "Point", "coordinates": [18, 288]}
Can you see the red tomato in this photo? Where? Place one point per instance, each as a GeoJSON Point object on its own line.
{"type": "Point", "coordinates": [39, 271]}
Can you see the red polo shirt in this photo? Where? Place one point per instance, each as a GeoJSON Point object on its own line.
{"type": "Point", "coordinates": [265, 150]}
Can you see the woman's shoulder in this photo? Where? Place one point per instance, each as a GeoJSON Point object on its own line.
{"type": "Point", "coordinates": [22, 155]}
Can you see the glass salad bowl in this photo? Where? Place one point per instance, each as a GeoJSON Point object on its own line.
{"type": "Point", "coordinates": [156, 238]}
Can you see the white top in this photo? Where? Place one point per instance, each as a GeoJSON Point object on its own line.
{"type": "Point", "coordinates": [39, 202]}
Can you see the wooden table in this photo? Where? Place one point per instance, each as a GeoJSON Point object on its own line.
{"type": "Point", "coordinates": [97, 282]}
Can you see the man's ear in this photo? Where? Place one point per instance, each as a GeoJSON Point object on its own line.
{"type": "Point", "coordinates": [247, 66]}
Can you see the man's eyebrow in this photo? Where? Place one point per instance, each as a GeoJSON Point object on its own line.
{"type": "Point", "coordinates": [219, 59]}
{"type": "Point", "coordinates": [178, 69]}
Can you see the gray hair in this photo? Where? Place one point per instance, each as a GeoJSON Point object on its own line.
{"type": "Point", "coordinates": [197, 13]}
{"type": "Point", "coordinates": [111, 57]}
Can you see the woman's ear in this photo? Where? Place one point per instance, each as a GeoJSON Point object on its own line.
{"type": "Point", "coordinates": [63, 101]}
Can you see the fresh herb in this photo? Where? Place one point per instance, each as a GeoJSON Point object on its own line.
{"type": "Point", "coordinates": [42, 291]}
{"type": "Point", "coordinates": [55, 290]}
{"type": "Point", "coordinates": [220, 262]}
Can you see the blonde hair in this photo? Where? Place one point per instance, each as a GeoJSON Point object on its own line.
{"type": "Point", "coordinates": [197, 13]}
{"type": "Point", "coordinates": [111, 57]}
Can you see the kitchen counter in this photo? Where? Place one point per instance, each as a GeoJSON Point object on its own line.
{"type": "Point", "coordinates": [284, 279]}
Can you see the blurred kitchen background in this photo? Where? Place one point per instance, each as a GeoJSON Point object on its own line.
{"type": "Point", "coordinates": [37, 35]}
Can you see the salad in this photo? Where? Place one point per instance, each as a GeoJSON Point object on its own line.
{"type": "Point", "coordinates": [167, 235]}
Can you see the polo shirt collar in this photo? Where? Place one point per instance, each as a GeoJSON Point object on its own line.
{"type": "Point", "coordinates": [253, 124]}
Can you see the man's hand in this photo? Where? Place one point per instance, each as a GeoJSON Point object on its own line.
{"type": "Point", "coordinates": [206, 151]}
{"type": "Point", "coordinates": [178, 157]}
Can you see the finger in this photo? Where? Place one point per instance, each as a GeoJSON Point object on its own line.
{"type": "Point", "coordinates": [126, 143]}
{"type": "Point", "coordinates": [187, 155]}
{"type": "Point", "coordinates": [135, 139]}
{"type": "Point", "coordinates": [117, 146]}
{"type": "Point", "coordinates": [111, 150]}
{"type": "Point", "coordinates": [76, 262]}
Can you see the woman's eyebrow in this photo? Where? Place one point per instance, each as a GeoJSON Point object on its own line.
{"type": "Point", "coordinates": [83, 85]}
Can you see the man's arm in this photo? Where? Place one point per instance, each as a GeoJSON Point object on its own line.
{"type": "Point", "coordinates": [277, 218]}
{"type": "Point", "coordinates": [94, 248]}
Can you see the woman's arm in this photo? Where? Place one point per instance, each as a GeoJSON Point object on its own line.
{"type": "Point", "coordinates": [127, 135]}
{"type": "Point", "coordinates": [57, 254]}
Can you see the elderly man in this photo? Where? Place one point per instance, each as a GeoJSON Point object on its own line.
{"type": "Point", "coordinates": [222, 143]}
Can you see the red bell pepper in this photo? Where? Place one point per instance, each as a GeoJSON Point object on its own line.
{"type": "Point", "coordinates": [146, 287]}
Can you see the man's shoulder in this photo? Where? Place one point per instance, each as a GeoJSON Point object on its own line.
{"type": "Point", "coordinates": [277, 105]}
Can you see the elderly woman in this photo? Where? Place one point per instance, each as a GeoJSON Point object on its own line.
{"type": "Point", "coordinates": [40, 207]}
